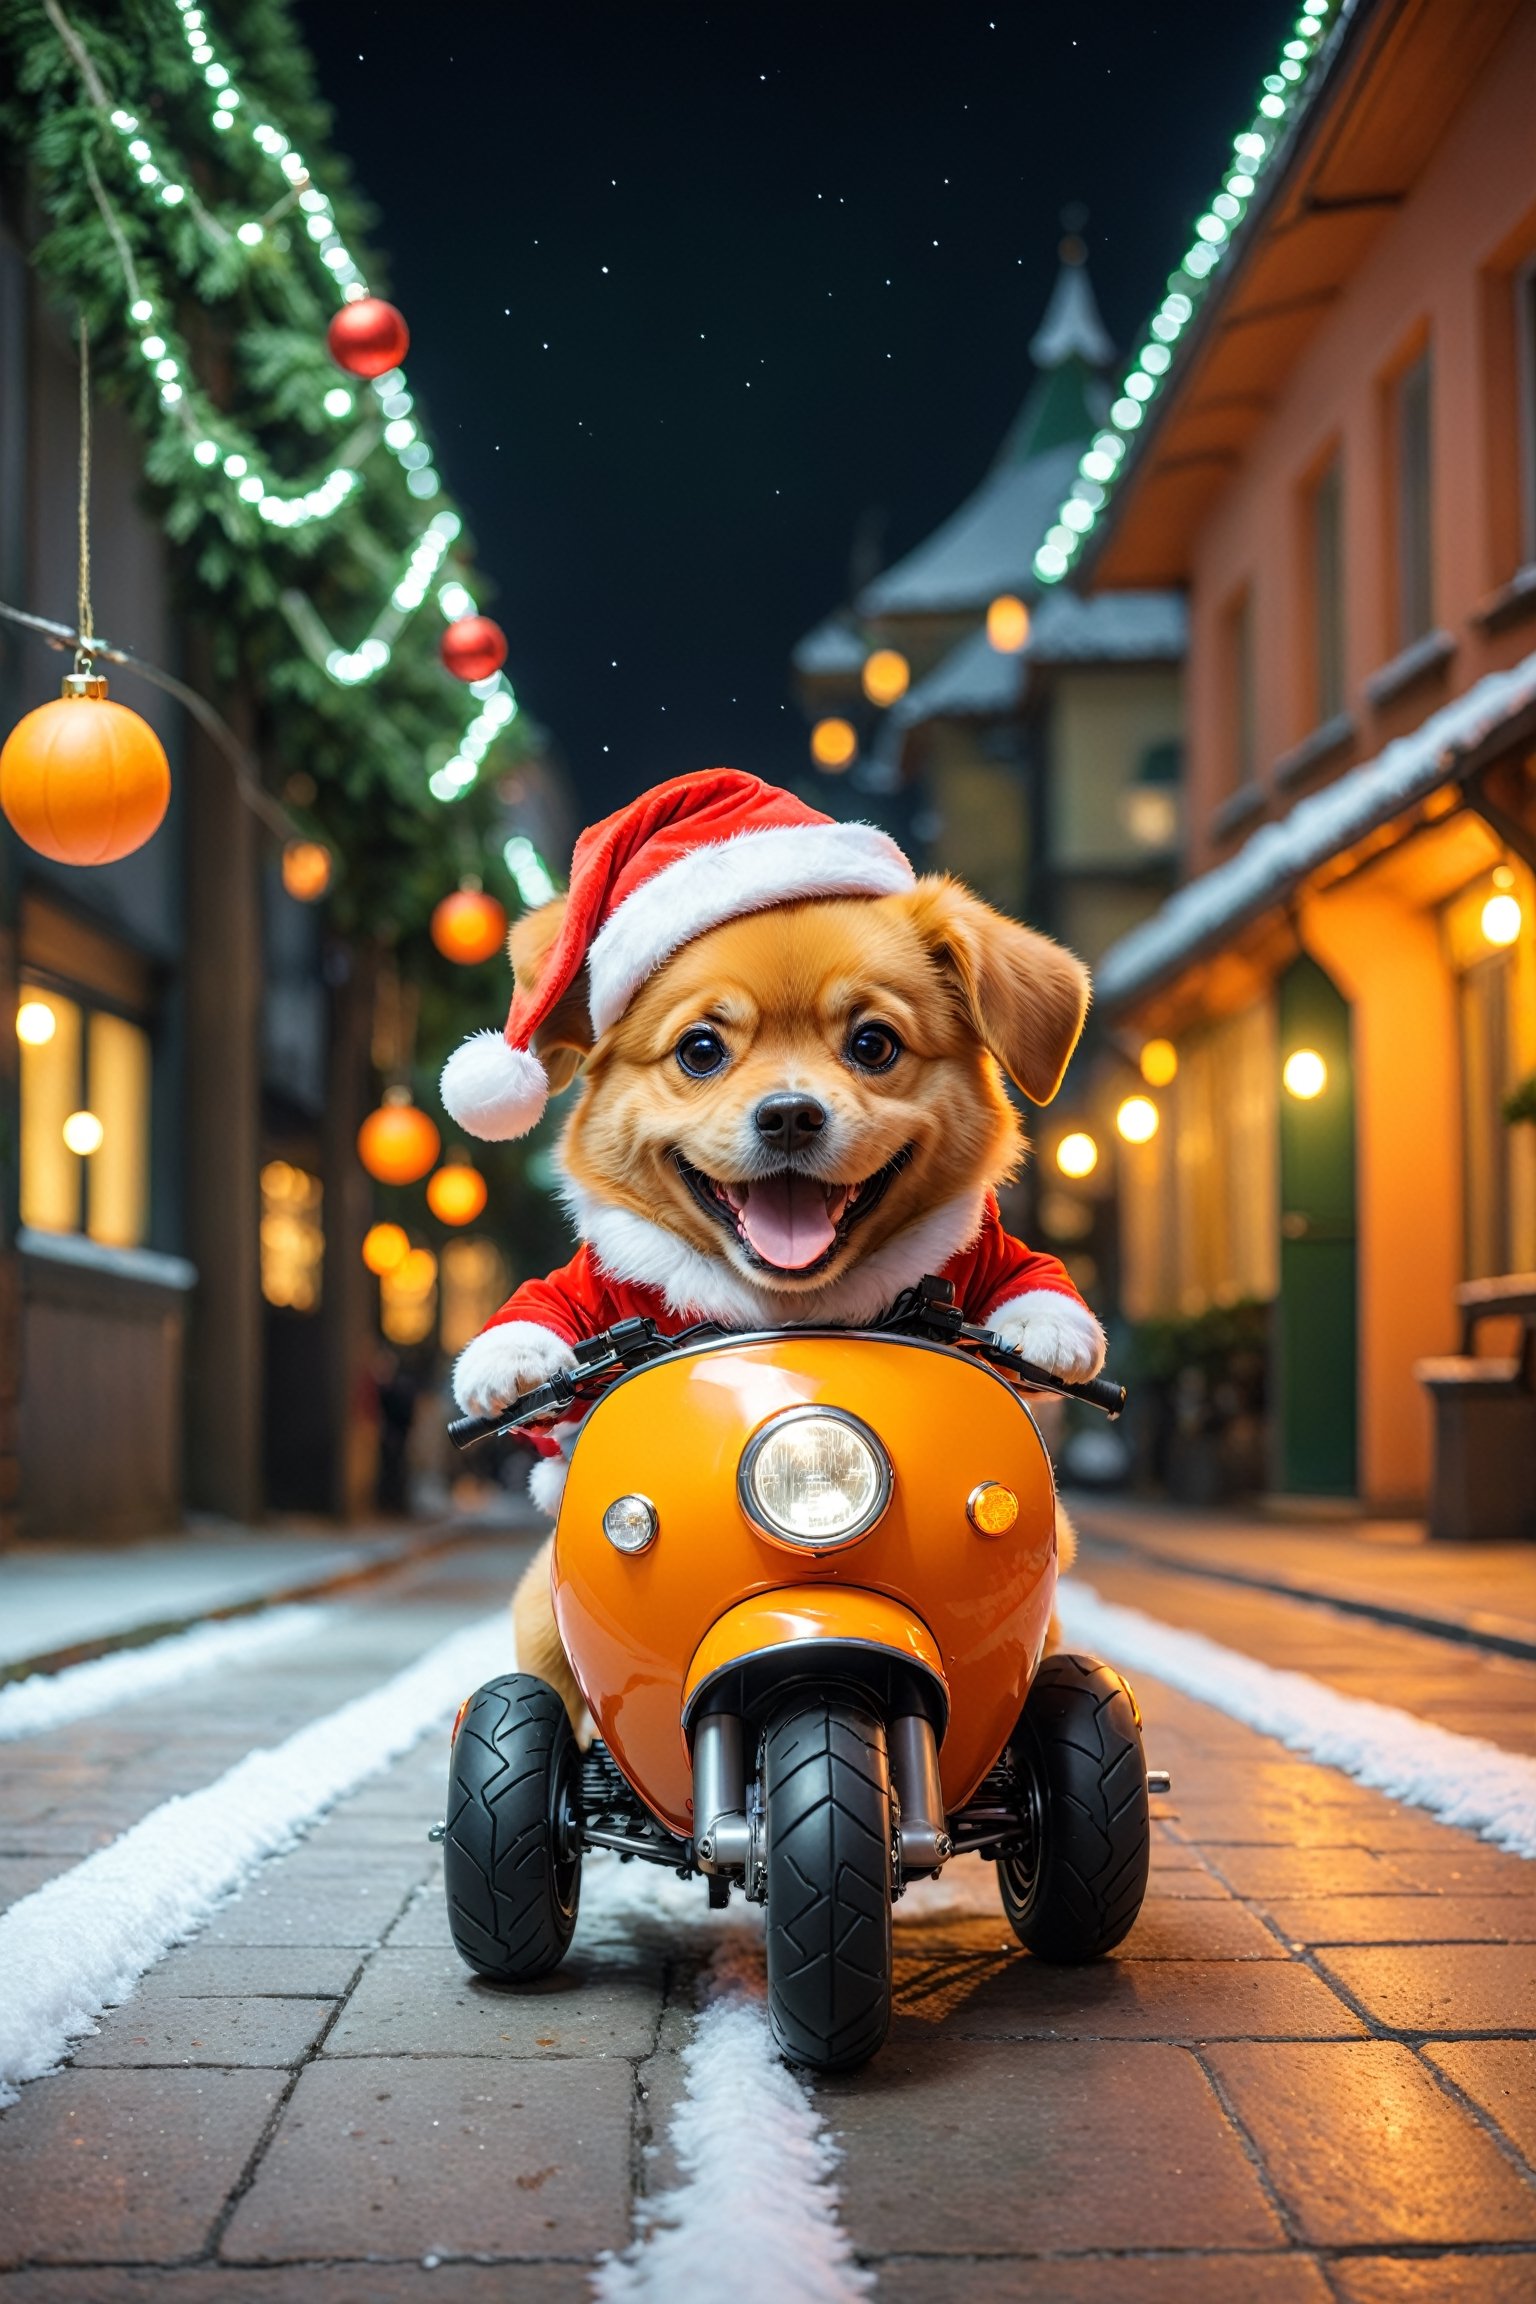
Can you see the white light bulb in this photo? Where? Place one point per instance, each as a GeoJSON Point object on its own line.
{"type": "Point", "coordinates": [235, 465]}
{"type": "Point", "coordinates": [338, 401]}
{"type": "Point", "coordinates": [170, 394]}
{"type": "Point", "coordinates": [1140, 387]}
{"type": "Point", "coordinates": [166, 369]}
{"type": "Point", "coordinates": [153, 347]}
{"type": "Point", "coordinates": [223, 119]}
{"type": "Point", "coordinates": [138, 149]}
{"type": "Point", "coordinates": [173, 194]}
{"type": "Point", "coordinates": [216, 76]}
{"type": "Point", "coordinates": [149, 174]}
{"type": "Point", "coordinates": [206, 452]}
{"type": "Point", "coordinates": [141, 310]}
{"type": "Point", "coordinates": [252, 490]}
{"type": "Point", "coordinates": [249, 234]}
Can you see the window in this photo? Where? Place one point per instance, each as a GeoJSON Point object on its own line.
{"type": "Point", "coordinates": [1327, 574]}
{"type": "Point", "coordinates": [1496, 1005]}
{"type": "Point", "coordinates": [1415, 539]}
{"type": "Point", "coordinates": [85, 1118]}
{"type": "Point", "coordinates": [1241, 763]}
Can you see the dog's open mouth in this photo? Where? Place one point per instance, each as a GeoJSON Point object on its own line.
{"type": "Point", "coordinates": [790, 1221]}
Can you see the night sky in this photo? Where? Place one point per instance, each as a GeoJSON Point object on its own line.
{"type": "Point", "coordinates": [700, 295]}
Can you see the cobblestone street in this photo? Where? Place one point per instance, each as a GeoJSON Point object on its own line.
{"type": "Point", "coordinates": [1308, 2074]}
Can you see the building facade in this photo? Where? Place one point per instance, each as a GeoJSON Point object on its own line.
{"type": "Point", "coordinates": [1338, 1006]}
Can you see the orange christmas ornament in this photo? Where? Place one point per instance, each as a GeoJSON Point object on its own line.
{"type": "Point", "coordinates": [398, 1143]}
{"type": "Point", "coordinates": [83, 780]}
{"type": "Point", "coordinates": [469, 926]}
{"type": "Point", "coordinates": [306, 870]}
{"type": "Point", "coordinates": [456, 1193]}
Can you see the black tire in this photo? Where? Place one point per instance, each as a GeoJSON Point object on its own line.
{"type": "Point", "coordinates": [827, 1820]}
{"type": "Point", "coordinates": [1073, 1889]}
{"type": "Point", "coordinates": [512, 1849]}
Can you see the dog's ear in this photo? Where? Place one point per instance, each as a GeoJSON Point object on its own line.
{"type": "Point", "coordinates": [565, 1036]}
{"type": "Point", "coordinates": [1026, 996]}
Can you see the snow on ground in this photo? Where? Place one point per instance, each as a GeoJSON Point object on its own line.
{"type": "Point", "coordinates": [1461, 1779]}
{"type": "Point", "coordinates": [47, 1700]}
{"type": "Point", "coordinates": [757, 2198]}
{"type": "Point", "coordinates": [81, 1942]}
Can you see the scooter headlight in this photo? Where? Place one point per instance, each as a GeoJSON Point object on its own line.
{"type": "Point", "coordinates": [815, 1477]}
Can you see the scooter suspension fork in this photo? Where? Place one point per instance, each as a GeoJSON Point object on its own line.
{"type": "Point", "coordinates": [914, 1756]}
{"type": "Point", "coordinates": [722, 1835]}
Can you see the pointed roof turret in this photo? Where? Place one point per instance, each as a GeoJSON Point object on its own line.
{"type": "Point", "coordinates": [1072, 324]}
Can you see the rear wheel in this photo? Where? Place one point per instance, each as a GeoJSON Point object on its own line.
{"type": "Point", "coordinates": [512, 1848]}
{"type": "Point", "coordinates": [1074, 1885]}
{"type": "Point", "coordinates": [827, 1819]}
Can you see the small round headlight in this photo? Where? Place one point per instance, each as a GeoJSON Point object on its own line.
{"type": "Point", "coordinates": [816, 1477]}
{"type": "Point", "coordinates": [630, 1523]}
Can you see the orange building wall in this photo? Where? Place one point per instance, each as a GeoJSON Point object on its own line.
{"type": "Point", "coordinates": [1473, 209]}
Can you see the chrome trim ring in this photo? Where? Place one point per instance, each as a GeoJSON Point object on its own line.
{"type": "Point", "coordinates": [814, 1544]}
{"type": "Point", "coordinates": [633, 1551]}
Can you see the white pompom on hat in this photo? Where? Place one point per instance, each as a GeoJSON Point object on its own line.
{"type": "Point", "coordinates": [685, 857]}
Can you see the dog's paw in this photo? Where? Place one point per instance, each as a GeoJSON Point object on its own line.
{"type": "Point", "coordinates": [505, 1362]}
{"type": "Point", "coordinates": [1052, 1330]}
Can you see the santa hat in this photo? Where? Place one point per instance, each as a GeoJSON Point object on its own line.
{"type": "Point", "coordinates": [685, 857]}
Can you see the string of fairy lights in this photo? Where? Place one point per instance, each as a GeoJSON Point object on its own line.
{"type": "Point", "coordinates": [1253, 152]}
{"type": "Point", "coordinates": [218, 446]}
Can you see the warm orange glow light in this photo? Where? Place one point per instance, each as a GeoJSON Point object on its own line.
{"type": "Point", "coordinates": [1077, 1154]}
{"type": "Point", "coordinates": [397, 1144]}
{"type": "Point", "coordinates": [385, 1246]}
{"type": "Point", "coordinates": [469, 926]}
{"type": "Point", "coordinates": [1007, 624]}
{"type": "Point", "coordinates": [1501, 919]}
{"type": "Point", "coordinates": [456, 1193]}
{"type": "Point", "coordinates": [36, 1023]}
{"type": "Point", "coordinates": [1137, 1119]}
{"type": "Point", "coordinates": [306, 870]}
{"type": "Point", "coordinates": [833, 744]}
{"type": "Point", "coordinates": [1159, 1063]}
{"type": "Point", "coordinates": [886, 676]}
{"type": "Point", "coordinates": [1305, 1074]}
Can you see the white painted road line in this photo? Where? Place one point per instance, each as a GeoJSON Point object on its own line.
{"type": "Point", "coordinates": [82, 1942]}
{"type": "Point", "coordinates": [1461, 1779]}
{"type": "Point", "coordinates": [47, 1700]}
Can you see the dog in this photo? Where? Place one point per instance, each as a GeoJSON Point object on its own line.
{"type": "Point", "coordinates": [794, 1115]}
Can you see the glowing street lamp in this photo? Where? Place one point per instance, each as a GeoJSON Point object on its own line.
{"type": "Point", "coordinates": [1305, 1074]}
{"type": "Point", "coordinates": [1137, 1119]}
{"type": "Point", "coordinates": [1159, 1063]}
{"type": "Point", "coordinates": [1077, 1155]}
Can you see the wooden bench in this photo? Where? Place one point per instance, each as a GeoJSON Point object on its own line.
{"type": "Point", "coordinates": [1484, 1480]}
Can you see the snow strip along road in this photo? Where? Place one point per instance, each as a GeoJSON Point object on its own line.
{"type": "Point", "coordinates": [82, 1941]}
{"type": "Point", "coordinates": [47, 1700]}
{"type": "Point", "coordinates": [1461, 1779]}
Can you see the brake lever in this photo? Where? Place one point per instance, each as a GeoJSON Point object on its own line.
{"type": "Point", "coordinates": [595, 1356]}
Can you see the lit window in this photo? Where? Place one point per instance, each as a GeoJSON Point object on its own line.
{"type": "Point", "coordinates": [292, 1237]}
{"type": "Point", "coordinates": [85, 1119]}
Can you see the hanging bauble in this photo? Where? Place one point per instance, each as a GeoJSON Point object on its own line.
{"type": "Point", "coordinates": [469, 926]}
{"type": "Point", "coordinates": [84, 781]}
{"type": "Point", "coordinates": [398, 1143]}
{"type": "Point", "coordinates": [473, 647]}
{"type": "Point", "coordinates": [306, 870]}
{"type": "Point", "coordinates": [456, 1192]}
{"type": "Point", "coordinates": [368, 337]}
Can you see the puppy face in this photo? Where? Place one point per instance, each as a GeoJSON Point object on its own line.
{"type": "Point", "coordinates": [792, 1089]}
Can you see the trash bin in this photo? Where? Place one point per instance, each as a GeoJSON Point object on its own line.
{"type": "Point", "coordinates": [1484, 1481]}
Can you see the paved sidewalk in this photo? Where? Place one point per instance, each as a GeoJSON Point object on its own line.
{"type": "Point", "coordinates": [62, 1601]}
{"type": "Point", "coordinates": [1309, 2074]}
{"type": "Point", "coordinates": [1389, 1568]}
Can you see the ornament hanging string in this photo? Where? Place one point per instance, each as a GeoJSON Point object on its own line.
{"type": "Point", "coordinates": [84, 621]}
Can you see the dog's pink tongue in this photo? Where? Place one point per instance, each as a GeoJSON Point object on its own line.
{"type": "Point", "coordinates": [785, 1218]}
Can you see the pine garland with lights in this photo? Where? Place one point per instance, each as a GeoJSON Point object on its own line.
{"type": "Point", "coordinates": [200, 222]}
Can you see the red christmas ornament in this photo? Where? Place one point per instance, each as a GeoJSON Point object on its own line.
{"type": "Point", "coordinates": [473, 647]}
{"type": "Point", "coordinates": [368, 337]}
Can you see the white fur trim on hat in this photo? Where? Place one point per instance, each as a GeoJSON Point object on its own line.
{"type": "Point", "coordinates": [492, 1089]}
{"type": "Point", "coordinates": [724, 879]}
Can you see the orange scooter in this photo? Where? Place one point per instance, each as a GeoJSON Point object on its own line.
{"type": "Point", "coordinates": [804, 1580]}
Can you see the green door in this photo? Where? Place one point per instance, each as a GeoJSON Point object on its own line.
{"type": "Point", "coordinates": [1318, 1325]}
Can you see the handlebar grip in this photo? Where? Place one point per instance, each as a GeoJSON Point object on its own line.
{"type": "Point", "coordinates": [1101, 1392]}
{"type": "Point", "coordinates": [464, 1431]}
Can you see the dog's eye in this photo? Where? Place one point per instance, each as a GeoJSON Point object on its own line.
{"type": "Point", "coordinates": [874, 1048]}
{"type": "Point", "coordinates": [701, 1053]}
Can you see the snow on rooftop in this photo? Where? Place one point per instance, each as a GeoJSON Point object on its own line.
{"type": "Point", "coordinates": [1109, 627]}
{"type": "Point", "coordinates": [1072, 324]}
{"type": "Point", "coordinates": [832, 647]}
{"type": "Point", "coordinates": [973, 680]}
{"type": "Point", "coordinates": [987, 547]}
{"type": "Point", "coordinates": [1278, 857]}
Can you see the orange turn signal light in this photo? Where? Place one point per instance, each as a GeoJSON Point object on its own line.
{"type": "Point", "coordinates": [992, 1509]}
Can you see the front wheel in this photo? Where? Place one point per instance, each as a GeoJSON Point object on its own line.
{"type": "Point", "coordinates": [827, 1820]}
{"type": "Point", "coordinates": [1073, 1886]}
{"type": "Point", "coordinates": [512, 1847]}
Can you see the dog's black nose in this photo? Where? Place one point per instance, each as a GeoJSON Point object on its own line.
{"type": "Point", "coordinates": [788, 1121]}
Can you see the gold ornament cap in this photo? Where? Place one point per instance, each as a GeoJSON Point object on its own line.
{"type": "Point", "coordinates": [89, 684]}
